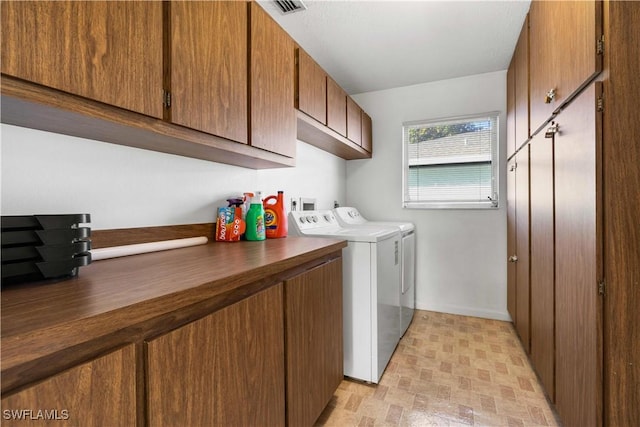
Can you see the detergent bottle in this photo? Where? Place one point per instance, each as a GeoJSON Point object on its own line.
{"type": "Point", "coordinates": [275, 217]}
{"type": "Point", "coordinates": [255, 219]}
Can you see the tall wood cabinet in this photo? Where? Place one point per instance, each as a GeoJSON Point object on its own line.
{"type": "Point", "coordinates": [511, 239]}
{"type": "Point", "coordinates": [225, 369]}
{"type": "Point", "coordinates": [578, 263]}
{"type": "Point", "coordinates": [621, 202]}
{"type": "Point", "coordinates": [522, 285]}
{"type": "Point", "coordinates": [107, 51]}
{"type": "Point", "coordinates": [584, 229]}
{"type": "Point", "coordinates": [542, 259]}
{"type": "Point", "coordinates": [96, 393]}
{"type": "Point", "coordinates": [208, 67]}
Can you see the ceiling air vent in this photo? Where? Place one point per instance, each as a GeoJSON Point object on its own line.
{"type": "Point", "coordinates": [289, 6]}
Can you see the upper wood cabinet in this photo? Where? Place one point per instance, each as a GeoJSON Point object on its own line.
{"type": "Point", "coordinates": [96, 393]}
{"type": "Point", "coordinates": [565, 40]}
{"type": "Point", "coordinates": [327, 117]}
{"type": "Point", "coordinates": [312, 87]}
{"type": "Point", "coordinates": [313, 307]}
{"type": "Point", "coordinates": [336, 107]}
{"type": "Point", "coordinates": [208, 63]}
{"type": "Point", "coordinates": [578, 261]}
{"type": "Point", "coordinates": [273, 116]}
{"type": "Point", "coordinates": [511, 108]}
{"type": "Point", "coordinates": [226, 369]}
{"type": "Point", "coordinates": [106, 51]}
{"type": "Point", "coordinates": [354, 121]}
{"type": "Point", "coordinates": [521, 86]}
{"type": "Point", "coordinates": [367, 132]}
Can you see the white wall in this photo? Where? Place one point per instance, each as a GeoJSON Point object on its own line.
{"type": "Point", "coordinates": [123, 187]}
{"type": "Point", "coordinates": [461, 254]}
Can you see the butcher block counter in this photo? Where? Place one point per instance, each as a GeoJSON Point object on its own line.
{"type": "Point", "coordinates": [222, 329]}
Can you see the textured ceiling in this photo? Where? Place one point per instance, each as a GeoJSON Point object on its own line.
{"type": "Point", "coordinates": [374, 45]}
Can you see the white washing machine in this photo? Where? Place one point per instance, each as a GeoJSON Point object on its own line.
{"type": "Point", "coordinates": [371, 278]}
{"type": "Point", "coordinates": [350, 217]}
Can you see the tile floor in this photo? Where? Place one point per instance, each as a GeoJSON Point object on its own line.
{"type": "Point", "coordinates": [448, 370]}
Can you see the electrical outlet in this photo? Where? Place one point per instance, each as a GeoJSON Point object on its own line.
{"type": "Point", "coordinates": [294, 204]}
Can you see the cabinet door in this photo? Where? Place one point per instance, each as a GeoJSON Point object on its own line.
{"type": "Point", "coordinates": [97, 393]}
{"type": "Point", "coordinates": [226, 369]}
{"type": "Point", "coordinates": [578, 262]}
{"type": "Point", "coordinates": [336, 107]}
{"type": "Point", "coordinates": [354, 121]}
{"type": "Point", "coordinates": [542, 260]}
{"type": "Point", "coordinates": [511, 108]}
{"type": "Point", "coordinates": [522, 248]}
{"type": "Point", "coordinates": [511, 239]}
{"type": "Point", "coordinates": [313, 303]}
{"type": "Point", "coordinates": [521, 85]}
{"type": "Point", "coordinates": [106, 51]}
{"type": "Point", "coordinates": [564, 56]}
{"type": "Point", "coordinates": [208, 80]}
{"type": "Point", "coordinates": [367, 132]}
{"type": "Point", "coordinates": [312, 87]}
{"type": "Point", "coordinates": [273, 116]}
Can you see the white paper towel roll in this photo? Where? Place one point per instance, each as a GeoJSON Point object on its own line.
{"type": "Point", "coordinates": [141, 248]}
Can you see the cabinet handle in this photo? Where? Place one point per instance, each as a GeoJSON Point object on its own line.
{"type": "Point", "coordinates": [552, 130]}
{"type": "Point", "coordinates": [548, 99]}
{"type": "Point", "coordinates": [513, 258]}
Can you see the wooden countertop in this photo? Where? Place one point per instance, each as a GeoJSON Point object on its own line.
{"type": "Point", "coordinates": [100, 306]}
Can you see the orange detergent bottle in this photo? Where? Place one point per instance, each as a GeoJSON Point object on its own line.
{"type": "Point", "coordinates": [275, 217]}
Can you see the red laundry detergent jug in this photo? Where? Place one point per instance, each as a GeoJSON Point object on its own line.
{"type": "Point", "coordinates": [275, 216]}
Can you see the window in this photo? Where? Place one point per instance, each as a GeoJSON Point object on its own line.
{"type": "Point", "coordinates": [451, 163]}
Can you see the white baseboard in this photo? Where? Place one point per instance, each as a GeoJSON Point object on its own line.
{"type": "Point", "coordinates": [464, 311]}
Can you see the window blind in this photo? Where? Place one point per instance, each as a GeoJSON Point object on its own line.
{"type": "Point", "coordinates": [451, 163]}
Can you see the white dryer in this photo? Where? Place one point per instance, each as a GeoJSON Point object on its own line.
{"type": "Point", "coordinates": [371, 277]}
{"type": "Point", "coordinates": [350, 217]}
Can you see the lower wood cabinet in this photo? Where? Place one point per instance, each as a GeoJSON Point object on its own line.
{"type": "Point", "coordinates": [314, 341]}
{"type": "Point", "coordinates": [239, 365]}
{"type": "Point", "coordinates": [101, 392]}
{"type": "Point", "coordinates": [273, 357]}
{"type": "Point", "coordinates": [226, 369]}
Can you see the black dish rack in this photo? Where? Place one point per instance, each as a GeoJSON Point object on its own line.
{"type": "Point", "coordinates": [38, 247]}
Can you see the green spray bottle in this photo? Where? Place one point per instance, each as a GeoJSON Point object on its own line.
{"type": "Point", "coordinates": [255, 219]}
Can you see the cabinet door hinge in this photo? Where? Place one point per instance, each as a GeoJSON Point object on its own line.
{"type": "Point", "coordinates": [601, 288]}
{"type": "Point", "coordinates": [600, 45]}
{"type": "Point", "coordinates": [166, 101]}
{"type": "Point", "coordinates": [600, 104]}
{"type": "Point", "coordinates": [513, 167]}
